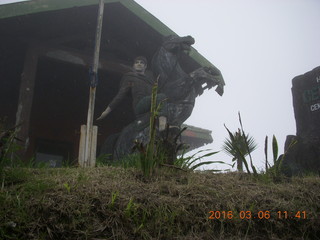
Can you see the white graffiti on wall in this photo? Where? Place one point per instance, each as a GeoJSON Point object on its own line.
{"type": "Point", "coordinates": [315, 107]}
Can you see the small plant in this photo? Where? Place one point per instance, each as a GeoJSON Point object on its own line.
{"type": "Point", "coordinates": [7, 144]}
{"type": "Point", "coordinates": [130, 209]}
{"type": "Point", "coordinates": [275, 148]}
{"type": "Point", "coordinates": [67, 186]}
{"type": "Point", "coordinates": [275, 170]}
{"type": "Point", "coordinates": [189, 163]}
{"type": "Point", "coordinates": [151, 155]}
{"type": "Point", "coordinates": [104, 160]}
{"type": "Point", "coordinates": [239, 145]}
{"type": "Point", "coordinates": [114, 196]}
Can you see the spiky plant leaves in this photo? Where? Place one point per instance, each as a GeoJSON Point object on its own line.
{"type": "Point", "coordinates": [206, 155]}
{"type": "Point", "coordinates": [191, 161]}
{"type": "Point", "coordinates": [274, 149]}
{"type": "Point", "coordinates": [273, 170]}
{"type": "Point", "coordinates": [243, 159]}
{"type": "Point", "coordinates": [235, 147]}
{"type": "Point", "coordinates": [240, 121]}
{"type": "Point", "coordinates": [230, 144]}
{"type": "Point", "coordinates": [249, 144]}
{"type": "Point", "coordinates": [147, 157]}
{"type": "Point", "coordinates": [8, 144]}
{"type": "Point", "coordinates": [238, 146]}
{"type": "Point", "coordinates": [232, 138]}
{"type": "Point", "coordinates": [188, 163]}
{"type": "Point", "coordinates": [201, 164]}
{"type": "Point", "coordinates": [152, 132]}
{"type": "Point", "coordinates": [207, 163]}
{"type": "Point", "coordinates": [266, 151]}
{"type": "Point", "coordinates": [193, 155]}
{"type": "Point", "coordinates": [179, 134]}
{"type": "Point", "coordinates": [278, 164]}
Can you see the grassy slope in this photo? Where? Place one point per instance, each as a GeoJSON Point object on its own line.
{"type": "Point", "coordinates": [117, 203]}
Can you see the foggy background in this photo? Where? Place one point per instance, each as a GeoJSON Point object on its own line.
{"type": "Point", "coordinates": [259, 46]}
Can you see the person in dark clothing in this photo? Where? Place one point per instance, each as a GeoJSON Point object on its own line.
{"type": "Point", "coordinates": [139, 84]}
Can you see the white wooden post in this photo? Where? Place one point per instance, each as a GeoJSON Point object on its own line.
{"type": "Point", "coordinates": [88, 142]}
{"type": "Point", "coordinates": [92, 147]}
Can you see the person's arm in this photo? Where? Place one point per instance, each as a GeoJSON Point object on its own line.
{"type": "Point", "coordinates": [124, 89]}
{"type": "Point", "coordinates": [104, 113]}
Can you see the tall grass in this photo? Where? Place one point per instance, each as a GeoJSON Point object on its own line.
{"type": "Point", "coordinates": [8, 145]}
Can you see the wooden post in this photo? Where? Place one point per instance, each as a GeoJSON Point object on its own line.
{"type": "Point", "coordinates": [93, 152]}
{"type": "Point", "coordinates": [93, 147]}
{"type": "Point", "coordinates": [91, 131]}
{"type": "Point", "coordinates": [26, 97]}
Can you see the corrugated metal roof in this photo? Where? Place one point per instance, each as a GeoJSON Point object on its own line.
{"type": "Point", "coordinates": [197, 132]}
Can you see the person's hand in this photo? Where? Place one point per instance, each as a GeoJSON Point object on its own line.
{"type": "Point", "coordinates": [104, 114]}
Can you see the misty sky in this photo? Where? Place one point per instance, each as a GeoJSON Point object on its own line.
{"type": "Point", "coordinates": [259, 46]}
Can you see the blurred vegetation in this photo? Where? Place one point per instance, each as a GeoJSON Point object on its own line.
{"type": "Point", "coordinates": [138, 199]}
{"type": "Point", "coordinates": [118, 203]}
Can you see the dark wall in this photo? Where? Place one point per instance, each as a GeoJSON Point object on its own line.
{"type": "Point", "coordinates": [60, 106]}
{"type": "Point", "coordinates": [11, 66]}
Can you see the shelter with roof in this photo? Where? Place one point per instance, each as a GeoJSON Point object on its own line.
{"type": "Point", "coordinates": [46, 50]}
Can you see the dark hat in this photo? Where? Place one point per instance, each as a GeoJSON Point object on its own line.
{"type": "Point", "coordinates": [141, 58]}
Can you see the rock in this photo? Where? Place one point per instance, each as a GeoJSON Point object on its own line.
{"type": "Point", "coordinates": [301, 157]}
{"type": "Point", "coordinates": [306, 103]}
{"type": "Point", "coordinates": [304, 156]}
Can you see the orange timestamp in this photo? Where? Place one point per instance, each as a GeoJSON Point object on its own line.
{"type": "Point", "coordinates": [257, 215]}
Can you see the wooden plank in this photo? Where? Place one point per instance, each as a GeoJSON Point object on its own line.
{"type": "Point", "coordinates": [93, 85]}
{"type": "Point", "coordinates": [93, 154]}
{"type": "Point", "coordinates": [88, 141]}
{"type": "Point", "coordinates": [93, 147]}
{"type": "Point", "coordinates": [81, 58]}
{"type": "Point", "coordinates": [26, 96]}
{"type": "Point", "coordinates": [82, 144]}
